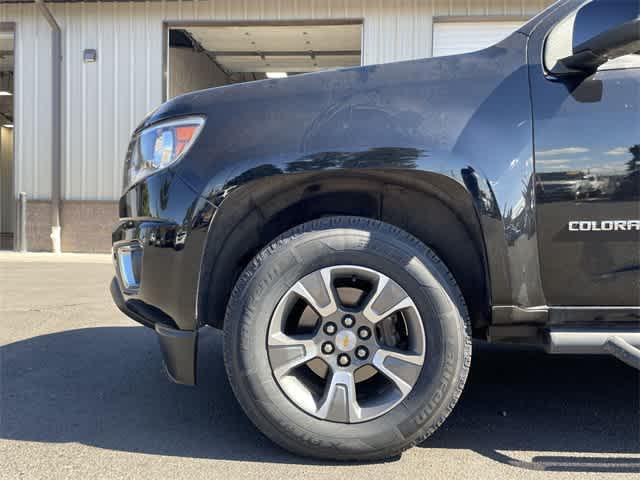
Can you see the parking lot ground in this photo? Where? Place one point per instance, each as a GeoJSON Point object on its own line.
{"type": "Point", "coordinates": [83, 395]}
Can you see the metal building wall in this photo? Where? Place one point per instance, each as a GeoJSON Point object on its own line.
{"type": "Point", "coordinates": [32, 99]}
{"type": "Point", "coordinates": [104, 101]}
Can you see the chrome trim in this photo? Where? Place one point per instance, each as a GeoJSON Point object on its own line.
{"type": "Point", "coordinates": [126, 272]}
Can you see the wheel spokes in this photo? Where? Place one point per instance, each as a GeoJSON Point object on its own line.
{"type": "Point", "coordinates": [387, 299]}
{"type": "Point", "coordinates": [339, 403]}
{"type": "Point", "coordinates": [288, 352]}
{"type": "Point", "coordinates": [317, 290]}
{"type": "Point", "coordinates": [326, 387]}
{"type": "Point", "coordinates": [401, 368]}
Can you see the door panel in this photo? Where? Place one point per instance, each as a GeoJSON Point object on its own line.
{"type": "Point", "coordinates": [587, 162]}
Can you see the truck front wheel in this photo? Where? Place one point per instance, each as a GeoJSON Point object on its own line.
{"type": "Point", "coordinates": [347, 338]}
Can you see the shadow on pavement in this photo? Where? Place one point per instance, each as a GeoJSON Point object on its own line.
{"type": "Point", "coordinates": [581, 410]}
{"type": "Point", "coordinates": [105, 387]}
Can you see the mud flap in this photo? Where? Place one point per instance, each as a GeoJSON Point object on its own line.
{"type": "Point", "coordinates": [179, 351]}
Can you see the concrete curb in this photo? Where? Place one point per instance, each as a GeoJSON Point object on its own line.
{"type": "Point", "coordinates": [45, 257]}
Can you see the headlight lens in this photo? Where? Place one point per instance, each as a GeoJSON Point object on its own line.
{"type": "Point", "coordinates": [159, 146]}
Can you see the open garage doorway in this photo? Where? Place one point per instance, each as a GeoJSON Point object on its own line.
{"type": "Point", "coordinates": [204, 56]}
{"type": "Point", "coordinates": [7, 193]}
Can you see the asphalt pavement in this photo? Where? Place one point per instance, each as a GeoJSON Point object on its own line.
{"type": "Point", "coordinates": [83, 395]}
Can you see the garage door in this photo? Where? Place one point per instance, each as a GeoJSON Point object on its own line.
{"type": "Point", "coordinates": [451, 38]}
{"type": "Point", "coordinates": [202, 56]}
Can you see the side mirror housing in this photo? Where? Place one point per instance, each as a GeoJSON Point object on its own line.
{"type": "Point", "coordinates": [600, 31]}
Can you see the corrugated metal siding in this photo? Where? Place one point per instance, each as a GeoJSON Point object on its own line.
{"type": "Point", "coordinates": [104, 101]}
{"type": "Point", "coordinates": [32, 99]}
{"type": "Point", "coordinates": [507, 8]}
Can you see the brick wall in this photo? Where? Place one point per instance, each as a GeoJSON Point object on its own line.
{"type": "Point", "coordinates": [86, 225]}
{"type": "Point", "coordinates": [38, 226]}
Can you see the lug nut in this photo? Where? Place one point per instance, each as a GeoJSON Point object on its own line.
{"type": "Point", "coordinates": [344, 360]}
{"type": "Point", "coordinates": [327, 347]}
{"type": "Point", "coordinates": [364, 333]}
{"type": "Point", "coordinates": [330, 328]}
{"type": "Point", "coordinates": [348, 321]}
{"type": "Point", "coordinates": [362, 353]}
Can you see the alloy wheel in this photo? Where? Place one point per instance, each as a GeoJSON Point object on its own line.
{"type": "Point", "coordinates": [346, 344]}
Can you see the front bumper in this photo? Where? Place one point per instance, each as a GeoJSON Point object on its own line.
{"type": "Point", "coordinates": [179, 347]}
{"type": "Point", "coordinates": [157, 253]}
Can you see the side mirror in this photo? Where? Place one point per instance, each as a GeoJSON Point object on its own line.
{"type": "Point", "coordinates": [602, 30]}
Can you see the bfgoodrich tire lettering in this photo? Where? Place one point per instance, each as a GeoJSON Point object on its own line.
{"type": "Point", "coordinates": [374, 245]}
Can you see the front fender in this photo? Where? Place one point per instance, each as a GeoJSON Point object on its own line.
{"type": "Point", "coordinates": [464, 117]}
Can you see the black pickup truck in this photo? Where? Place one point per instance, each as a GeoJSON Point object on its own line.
{"type": "Point", "coordinates": [353, 230]}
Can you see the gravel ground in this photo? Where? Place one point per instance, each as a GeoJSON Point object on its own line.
{"type": "Point", "coordinates": [83, 395]}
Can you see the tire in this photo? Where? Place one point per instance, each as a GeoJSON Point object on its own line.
{"type": "Point", "coordinates": [370, 244]}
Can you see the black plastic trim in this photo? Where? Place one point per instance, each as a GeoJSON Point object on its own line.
{"type": "Point", "coordinates": [120, 302]}
{"type": "Point", "coordinates": [179, 347]}
{"type": "Point", "coordinates": [179, 351]}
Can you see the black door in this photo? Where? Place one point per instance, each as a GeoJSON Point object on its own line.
{"type": "Point", "coordinates": [587, 163]}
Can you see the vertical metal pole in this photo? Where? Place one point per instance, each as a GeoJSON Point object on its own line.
{"type": "Point", "coordinates": [23, 221]}
{"type": "Point", "coordinates": [56, 123]}
{"type": "Point", "coordinates": [17, 238]}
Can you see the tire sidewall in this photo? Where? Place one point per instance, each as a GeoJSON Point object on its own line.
{"type": "Point", "coordinates": [404, 260]}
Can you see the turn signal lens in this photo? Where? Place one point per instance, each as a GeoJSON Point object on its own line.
{"type": "Point", "coordinates": [184, 136]}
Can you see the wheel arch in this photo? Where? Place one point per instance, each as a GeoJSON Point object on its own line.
{"type": "Point", "coordinates": [255, 213]}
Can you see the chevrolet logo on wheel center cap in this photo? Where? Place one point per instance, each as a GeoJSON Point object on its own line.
{"type": "Point", "coordinates": [346, 341]}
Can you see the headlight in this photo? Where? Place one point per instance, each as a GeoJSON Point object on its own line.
{"type": "Point", "coordinates": [159, 146]}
